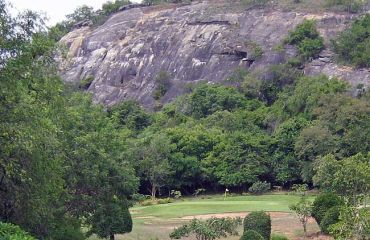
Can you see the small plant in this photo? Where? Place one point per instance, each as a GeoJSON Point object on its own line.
{"type": "Point", "coordinates": [13, 232]}
{"type": "Point", "coordinates": [278, 237]}
{"type": "Point", "coordinates": [176, 194]}
{"type": "Point", "coordinates": [260, 187]}
{"type": "Point", "coordinates": [259, 222]}
{"type": "Point", "coordinates": [251, 235]}
{"type": "Point", "coordinates": [303, 208]}
{"type": "Point", "coordinates": [213, 228]}
{"type": "Point", "coordinates": [255, 50]}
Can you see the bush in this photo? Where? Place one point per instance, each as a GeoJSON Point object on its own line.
{"type": "Point", "coordinates": [352, 45]}
{"type": "Point", "coordinates": [137, 197]}
{"type": "Point", "coordinates": [151, 202]}
{"type": "Point", "coordinates": [13, 232]}
{"type": "Point", "coordinates": [259, 187]}
{"type": "Point", "coordinates": [322, 204]}
{"type": "Point", "coordinates": [308, 40]}
{"type": "Point", "coordinates": [251, 235]}
{"type": "Point", "coordinates": [331, 217]}
{"type": "Point", "coordinates": [259, 222]}
{"type": "Point", "coordinates": [279, 237]}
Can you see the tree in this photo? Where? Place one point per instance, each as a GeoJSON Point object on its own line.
{"type": "Point", "coordinates": [239, 159]}
{"type": "Point", "coordinates": [208, 99]}
{"type": "Point", "coordinates": [131, 115]}
{"type": "Point", "coordinates": [313, 141]}
{"type": "Point", "coordinates": [303, 208]}
{"type": "Point", "coordinates": [31, 160]}
{"type": "Point", "coordinates": [80, 14]}
{"type": "Point", "coordinates": [154, 161]}
{"type": "Point", "coordinates": [111, 218]}
{"type": "Point", "coordinates": [350, 179]}
{"type": "Point", "coordinates": [99, 176]}
{"type": "Point", "coordinates": [213, 228]}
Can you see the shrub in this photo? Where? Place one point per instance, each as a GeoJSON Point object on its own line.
{"type": "Point", "coordinates": [176, 194]}
{"type": "Point", "coordinates": [13, 232]}
{"type": "Point", "coordinates": [210, 229]}
{"type": "Point", "coordinates": [279, 237]}
{"type": "Point", "coordinates": [310, 48]}
{"type": "Point", "coordinates": [259, 187]}
{"type": "Point", "coordinates": [251, 235]}
{"type": "Point", "coordinates": [331, 217]}
{"type": "Point", "coordinates": [163, 83]}
{"type": "Point", "coordinates": [308, 40]}
{"type": "Point", "coordinates": [137, 197]}
{"type": "Point", "coordinates": [352, 45]}
{"type": "Point", "coordinates": [165, 200]}
{"type": "Point", "coordinates": [259, 222]}
{"type": "Point", "coordinates": [322, 204]}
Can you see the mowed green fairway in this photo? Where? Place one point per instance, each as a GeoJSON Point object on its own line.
{"type": "Point", "coordinates": [157, 221]}
{"type": "Point", "coordinates": [217, 204]}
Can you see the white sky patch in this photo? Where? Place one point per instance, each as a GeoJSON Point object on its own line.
{"type": "Point", "coordinates": [56, 10]}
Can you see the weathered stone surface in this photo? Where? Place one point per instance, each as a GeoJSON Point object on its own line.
{"type": "Point", "coordinates": [192, 43]}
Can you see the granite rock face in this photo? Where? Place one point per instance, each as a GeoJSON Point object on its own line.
{"type": "Point", "coordinates": [199, 42]}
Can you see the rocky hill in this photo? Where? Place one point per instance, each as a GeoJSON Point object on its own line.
{"type": "Point", "coordinates": [204, 41]}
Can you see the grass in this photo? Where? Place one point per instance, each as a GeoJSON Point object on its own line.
{"type": "Point", "coordinates": [217, 204]}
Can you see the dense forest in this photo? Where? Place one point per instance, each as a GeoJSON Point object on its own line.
{"type": "Point", "coordinates": [66, 162]}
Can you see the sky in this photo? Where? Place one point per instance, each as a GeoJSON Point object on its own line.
{"type": "Point", "coordinates": [55, 10]}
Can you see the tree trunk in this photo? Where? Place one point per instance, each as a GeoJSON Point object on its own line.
{"type": "Point", "coordinates": [154, 191]}
{"type": "Point", "coordinates": [305, 229]}
{"type": "Point", "coordinates": [111, 237]}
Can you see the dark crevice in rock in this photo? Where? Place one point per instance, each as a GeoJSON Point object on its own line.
{"type": "Point", "coordinates": [215, 22]}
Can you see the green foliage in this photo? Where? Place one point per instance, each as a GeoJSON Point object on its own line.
{"type": "Point", "coordinates": [323, 203]}
{"type": "Point", "coordinates": [163, 83]}
{"type": "Point", "coordinates": [251, 235]}
{"type": "Point", "coordinates": [255, 51]}
{"type": "Point", "coordinates": [331, 217]}
{"type": "Point", "coordinates": [308, 40]}
{"type": "Point", "coordinates": [260, 187]}
{"type": "Point", "coordinates": [255, 3]}
{"type": "Point", "coordinates": [213, 228]}
{"type": "Point", "coordinates": [352, 6]}
{"type": "Point", "coordinates": [303, 210]}
{"type": "Point", "coordinates": [111, 218]}
{"type": "Point", "coordinates": [278, 237]}
{"type": "Point", "coordinates": [349, 177]}
{"type": "Point", "coordinates": [239, 159]}
{"type": "Point", "coordinates": [352, 45]}
{"type": "Point", "coordinates": [131, 115]}
{"type": "Point", "coordinates": [259, 222]}
{"type": "Point", "coordinates": [208, 99]}
{"type": "Point", "coordinates": [277, 78]}
{"type": "Point", "coordinates": [354, 223]}
{"type": "Point", "coordinates": [12, 232]}
{"type": "Point", "coordinates": [154, 161]}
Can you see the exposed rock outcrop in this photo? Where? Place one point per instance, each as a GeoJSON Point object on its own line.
{"type": "Point", "coordinates": [201, 41]}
